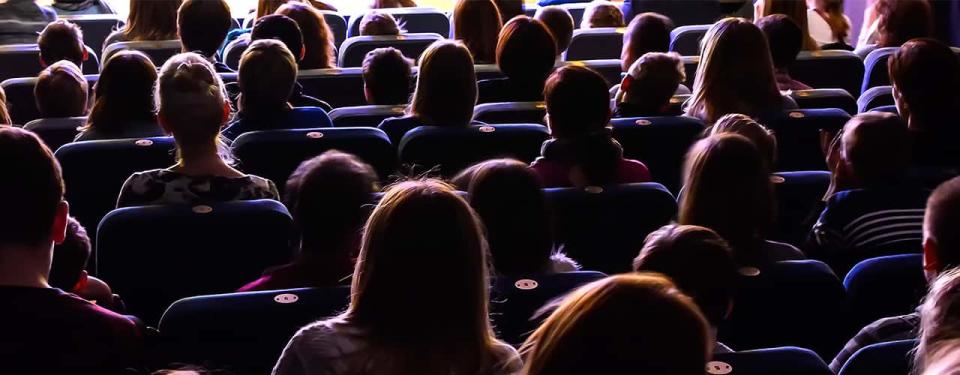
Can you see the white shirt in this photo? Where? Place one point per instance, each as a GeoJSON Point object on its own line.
{"type": "Point", "coordinates": [820, 30]}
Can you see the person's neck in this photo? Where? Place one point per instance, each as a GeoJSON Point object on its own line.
{"type": "Point", "coordinates": [202, 160]}
{"type": "Point", "coordinates": [25, 266]}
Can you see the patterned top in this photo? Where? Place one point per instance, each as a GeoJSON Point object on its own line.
{"type": "Point", "coordinates": [895, 328]}
{"type": "Point", "coordinates": [161, 186]}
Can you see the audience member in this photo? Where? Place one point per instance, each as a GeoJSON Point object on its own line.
{"type": "Point", "coordinates": [648, 32]}
{"type": "Point", "coordinates": [4, 113]}
{"type": "Point", "coordinates": [938, 318]}
{"type": "Point", "coordinates": [639, 322]}
{"type": "Point", "coordinates": [46, 330]}
{"type": "Point", "coordinates": [794, 10]}
{"type": "Point", "coordinates": [202, 25]}
{"type": "Point", "coordinates": [286, 30]}
{"type": "Point", "coordinates": [267, 7]}
{"type": "Point", "coordinates": [319, 52]}
{"type": "Point", "coordinates": [386, 77]}
{"type": "Point", "coordinates": [147, 20]}
{"type": "Point", "coordinates": [79, 7]}
{"type": "Point", "coordinates": [509, 199]}
{"type": "Point", "coordinates": [20, 20]}
{"type": "Point", "coordinates": [267, 76]}
{"type": "Point", "coordinates": [124, 104]}
{"type": "Point", "coordinates": [702, 266]}
{"type": "Point", "coordinates": [943, 359]}
{"type": "Point", "coordinates": [509, 9]}
{"type": "Point", "coordinates": [601, 14]}
{"type": "Point", "coordinates": [445, 95]}
{"type": "Point", "coordinates": [68, 269]}
{"type": "Point", "coordinates": [582, 151]}
{"type": "Point", "coordinates": [328, 197]}
{"type": "Point", "coordinates": [895, 22]}
{"type": "Point", "coordinates": [827, 24]}
{"type": "Point", "coordinates": [727, 189]}
{"type": "Point", "coordinates": [735, 74]}
{"type": "Point", "coordinates": [649, 84]}
{"type": "Point", "coordinates": [477, 24]}
{"type": "Point", "coordinates": [785, 39]}
{"type": "Point", "coordinates": [526, 54]}
{"type": "Point", "coordinates": [761, 137]}
{"type": "Point", "coordinates": [416, 226]}
{"type": "Point", "coordinates": [376, 23]}
{"type": "Point", "coordinates": [61, 91]}
{"type": "Point", "coordinates": [560, 23]}
{"type": "Point", "coordinates": [381, 4]}
{"type": "Point", "coordinates": [62, 40]}
{"type": "Point", "coordinates": [192, 108]}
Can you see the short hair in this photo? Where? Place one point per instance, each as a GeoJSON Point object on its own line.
{"type": "Point", "coordinates": [61, 40]}
{"type": "Point", "coordinates": [577, 100]}
{"type": "Point", "coordinates": [941, 220]}
{"type": "Point", "coordinates": [926, 73]}
{"type": "Point", "coordinates": [203, 25]}
{"type": "Point", "coordinates": [560, 23]}
{"type": "Point", "coordinates": [32, 191]}
{"type": "Point", "coordinates": [377, 23]}
{"type": "Point", "coordinates": [61, 91]}
{"type": "Point", "coordinates": [387, 75]}
{"type": "Point", "coordinates": [647, 32]}
{"type": "Point", "coordinates": [654, 77]}
{"type": "Point", "coordinates": [267, 75]}
{"type": "Point", "coordinates": [698, 260]}
{"type": "Point", "coordinates": [602, 14]}
{"type": "Point", "coordinates": [876, 147]}
{"type": "Point", "coordinates": [70, 257]}
{"type": "Point", "coordinates": [526, 50]}
{"type": "Point", "coordinates": [760, 135]}
{"type": "Point", "coordinates": [282, 28]}
{"type": "Point", "coordinates": [784, 37]}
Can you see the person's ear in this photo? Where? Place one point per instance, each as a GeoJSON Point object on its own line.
{"type": "Point", "coordinates": [367, 95]}
{"type": "Point", "coordinates": [931, 262]}
{"type": "Point", "coordinates": [303, 52]}
{"type": "Point", "coordinates": [81, 282]}
{"type": "Point", "coordinates": [226, 111]}
{"type": "Point", "coordinates": [59, 231]}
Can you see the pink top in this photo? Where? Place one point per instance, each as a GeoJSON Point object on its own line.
{"type": "Point", "coordinates": [553, 174]}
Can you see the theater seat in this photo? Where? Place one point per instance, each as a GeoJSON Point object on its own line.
{"type": "Point", "coordinates": [243, 331]}
{"type": "Point", "coordinates": [56, 132]}
{"type": "Point", "coordinates": [23, 60]}
{"type": "Point", "coordinates": [685, 40]}
{"type": "Point", "coordinates": [515, 301]}
{"type": "Point", "coordinates": [412, 20]}
{"type": "Point", "coordinates": [797, 194]}
{"type": "Point", "coordinates": [825, 98]}
{"type": "Point", "coordinates": [595, 44]}
{"type": "Point", "coordinates": [154, 255]}
{"type": "Point", "coordinates": [798, 136]}
{"type": "Point", "coordinates": [95, 27]}
{"type": "Point", "coordinates": [829, 69]}
{"type": "Point", "coordinates": [338, 27]}
{"type": "Point", "coordinates": [888, 358]}
{"type": "Point", "coordinates": [412, 45]}
{"type": "Point", "coordinates": [659, 142]}
{"type": "Point", "coordinates": [451, 149]}
{"type": "Point", "coordinates": [707, 11]}
{"type": "Point", "coordinates": [885, 286]}
{"type": "Point", "coordinates": [603, 228]}
{"type": "Point", "coordinates": [158, 51]}
{"type": "Point", "coordinates": [339, 87]}
{"type": "Point", "coordinates": [875, 97]}
{"type": "Point", "coordinates": [511, 113]}
{"type": "Point", "coordinates": [875, 68]}
{"type": "Point", "coordinates": [610, 69]}
{"type": "Point", "coordinates": [368, 116]}
{"type": "Point", "coordinates": [779, 361]}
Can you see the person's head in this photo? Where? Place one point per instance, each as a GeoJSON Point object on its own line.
{"type": "Point", "coordinates": [601, 14]}
{"type": "Point", "coordinates": [508, 197]}
{"type": "Point", "coordinates": [203, 25]}
{"type": "Point", "coordinates": [839, 25]}
{"type": "Point", "coordinates": [318, 42]}
{"type": "Point", "coordinates": [577, 101]}
{"type": "Point", "coordinates": [698, 261]}
{"type": "Point", "coordinates": [282, 28]}
{"type": "Point", "coordinates": [386, 77]}
{"type": "Point", "coordinates": [124, 94]}
{"type": "Point", "coordinates": [784, 37]}
{"type": "Point", "coordinates": [477, 24]}
{"type": "Point", "coordinates": [640, 322]}
{"type": "Point", "coordinates": [152, 20]}
{"type": "Point", "coordinates": [509, 9]}
{"type": "Point", "coordinates": [267, 74]}
{"type": "Point", "coordinates": [417, 226]}
{"type": "Point", "coordinates": [376, 23]}
{"type": "Point", "coordinates": [4, 113]}
{"type": "Point", "coordinates": [761, 137]}
{"type": "Point", "coordinates": [446, 86]}
{"type": "Point", "coordinates": [61, 40]}
{"type": "Point", "coordinates": [924, 74]}
{"type": "Point", "coordinates": [192, 105]}
{"type": "Point", "coordinates": [901, 20]}
{"type": "Point", "coordinates": [651, 81]}
{"type": "Point", "coordinates": [526, 51]}
{"type": "Point", "coordinates": [328, 197]}
{"type": "Point", "coordinates": [61, 91]}
{"type": "Point", "coordinates": [647, 32]}
{"type": "Point", "coordinates": [796, 11]}
{"type": "Point", "coordinates": [68, 269]}
{"type": "Point", "coordinates": [727, 189]}
{"type": "Point", "coordinates": [941, 240]}
{"type": "Point", "coordinates": [34, 215]}
{"type": "Point", "coordinates": [381, 4]}
{"type": "Point", "coordinates": [735, 74]}
{"type": "Point", "coordinates": [560, 23]}
{"type": "Point", "coordinates": [268, 7]}
{"type": "Point", "coordinates": [874, 149]}
{"type": "Point", "coordinates": [939, 317]}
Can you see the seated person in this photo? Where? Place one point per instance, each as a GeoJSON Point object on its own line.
{"type": "Point", "coordinates": [46, 330]}
{"type": "Point", "coordinates": [202, 26]}
{"type": "Point", "coordinates": [941, 253]}
{"type": "Point", "coordinates": [445, 95]}
{"type": "Point", "coordinates": [700, 263]}
{"type": "Point", "coordinates": [146, 21]}
{"type": "Point", "coordinates": [526, 54]}
{"type": "Point", "coordinates": [267, 75]}
{"type": "Point", "coordinates": [938, 320]}
{"type": "Point", "coordinates": [601, 14]}
{"type": "Point", "coordinates": [647, 32]}
{"type": "Point", "coordinates": [329, 198]}
{"type": "Point", "coordinates": [761, 137]}
{"type": "Point", "coordinates": [509, 199]}
{"type": "Point", "coordinates": [647, 87]}
{"type": "Point", "coordinates": [582, 151]}
{"type": "Point", "coordinates": [76, 7]}
{"type": "Point", "coordinates": [379, 24]}
{"type": "Point", "coordinates": [286, 30]}
{"type": "Point", "coordinates": [560, 23]}
{"type": "Point", "coordinates": [386, 77]}
{"type": "Point", "coordinates": [61, 91]}
{"type": "Point", "coordinates": [509, 9]}
{"type": "Point", "coordinates": [786, 39]}
{"type": "Point", "coordinates": [4, 113]}
{"type": "Point", "coordinates": [62, 40]}
{"type": "Point", "coordinates": [318, 39]}
{"type": "Point", "coordinates": [123, 100]}
{"type": "Point", "coordinates": [20, 20]}
{"type": "Point", "coordinates": [68, 271]}
{"type": "Point", "coordinates": [193, 108]}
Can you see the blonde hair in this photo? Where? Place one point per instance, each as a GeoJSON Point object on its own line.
{"type": "Point", "coordinates": [152, 20]}
{"type": "Point", "coordinates": [446, 89]}
{"type": "Point", "coordinates": [190, 100]}
{"type": "Point", "coordinates": [602, 14]}
{"type": "Point", "coordinates": [761, 137]}
{"type": "Point", "coordinates": [939, 317]}
{"type": "Point", "coordinates": [267, 74]}
{"type": "Point", "coordinates": [4, 114]}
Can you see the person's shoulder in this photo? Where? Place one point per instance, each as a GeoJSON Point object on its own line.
{"type": "Point", "coordinates": [325, 337]}
{"type": "Point", "coordinates": [397, 121]}
{"type": "Point", "coordinates": [633, 171]}
{"type": "Point", "coordinates": [780, 251]}
{"type": "Point", "coordinates": [892, 328]}
{"type": "Point", "coordinates": [507, 359]}
{"type": "Point", "coordinates": [92, 314]}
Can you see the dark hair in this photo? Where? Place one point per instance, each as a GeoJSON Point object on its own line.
{"type": "Point", "coordinates": [387, 75]}
{"type": "Point", "coordinates": [509, 199]}
{"type": "Point", "coordinates": [124, 93]}
{"type": "Point", "coordinates": [151, 20]}
{"type": "Point", "coordinates": [784, 38]}
{"type": "Point", "coordinates": [446, 91]}
{"type": "Point", "coordinates": [578, 102]}
{"type": "Point", "coordinates": [876, 146]}
{"type": "Point", "coordinates": [32, 191]}
{"type": "Point", "coordinates": [266, 76]}
{"type": "Point", "coordinates": [61, 40]}
{"type": "Point", "coordinates": [203, 25]}
{"type": "Point", "coordinates": [282, 28]}
{"type": "Point", "coordinates": [509, 9]}
{"type": "Point", "coordinates": [526, 51]}
{"type": "Point", "coordinates": [477, 24]}
{"type": "Point", "coordinates": [560, 23]}
{"type": "Point", "coordinates": [70, 257]}
{"type": "Point", "coordinates": [940, 222]}
{"type": "Point", "coordinates": [698, 261]}
{"type": "Point", "coordinates": [647, 32]}
{"type": "Point", "coordinates": [376, 23]}
{"type": "Point", "coordinates": [902, 20]}
{"type": "Point", "coordinates": [651, 81]}
{"type": "Point", "coordinates": [61, 91]}
{"type": "Point", "coordinates": [320, 52]}
{"type": "Point", "coordinates": [926, 73]}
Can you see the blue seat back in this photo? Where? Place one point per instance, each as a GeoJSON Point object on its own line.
{"type": "Point", "coordinates": [798, 136]}
{"type": "Point", "coordinates": [780, 361]}
{"type": "Point", "coordinates": [56, 132]}
{"type": "Point", "coordinates": [354, 49]}
{"type": "Point", "coordinates": [413, 20]}
{"type": "Point", "coordinates": [825, 98]}
{"type": "Point", "coordinates": [885, 286]}
{"type": "Point", "coordinates": [887, 358]}
{"type": "Point", "coordinates": [595, 44]}
{"type": "Point", "coordinates": [451, 149]}
{"type": "Point", "coordinates": [875, 97]}
{"type": "Point", "coordinates": [158, 51]}
{"type": "Point", "coordinates": [685, 40]}
{"type": "Point", "coordinates": [797, 194]}
{"type": "Point", "coordinates": [339, 87]}
{"type": "Point", "coordinates": [338, 26]}
{"type": "Point", "coordinates": [365, 115]}
{"type": "Point", "coordinates": [687, 12]}
{"type": "Point", "coordinates": [829, 69]}
{"type": "Point", "coordinates": [23, 60]}
{"type": "Point", "coordinates": [95, 27]}
{"type": "Point", "coordinates": [659, 142]}
{"type": "Point", "coordinates": [511, 113]}
{"type": "Point", "coordinates": [21, 102]}
{"type": "Point", "coordinates": [875, 68]}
